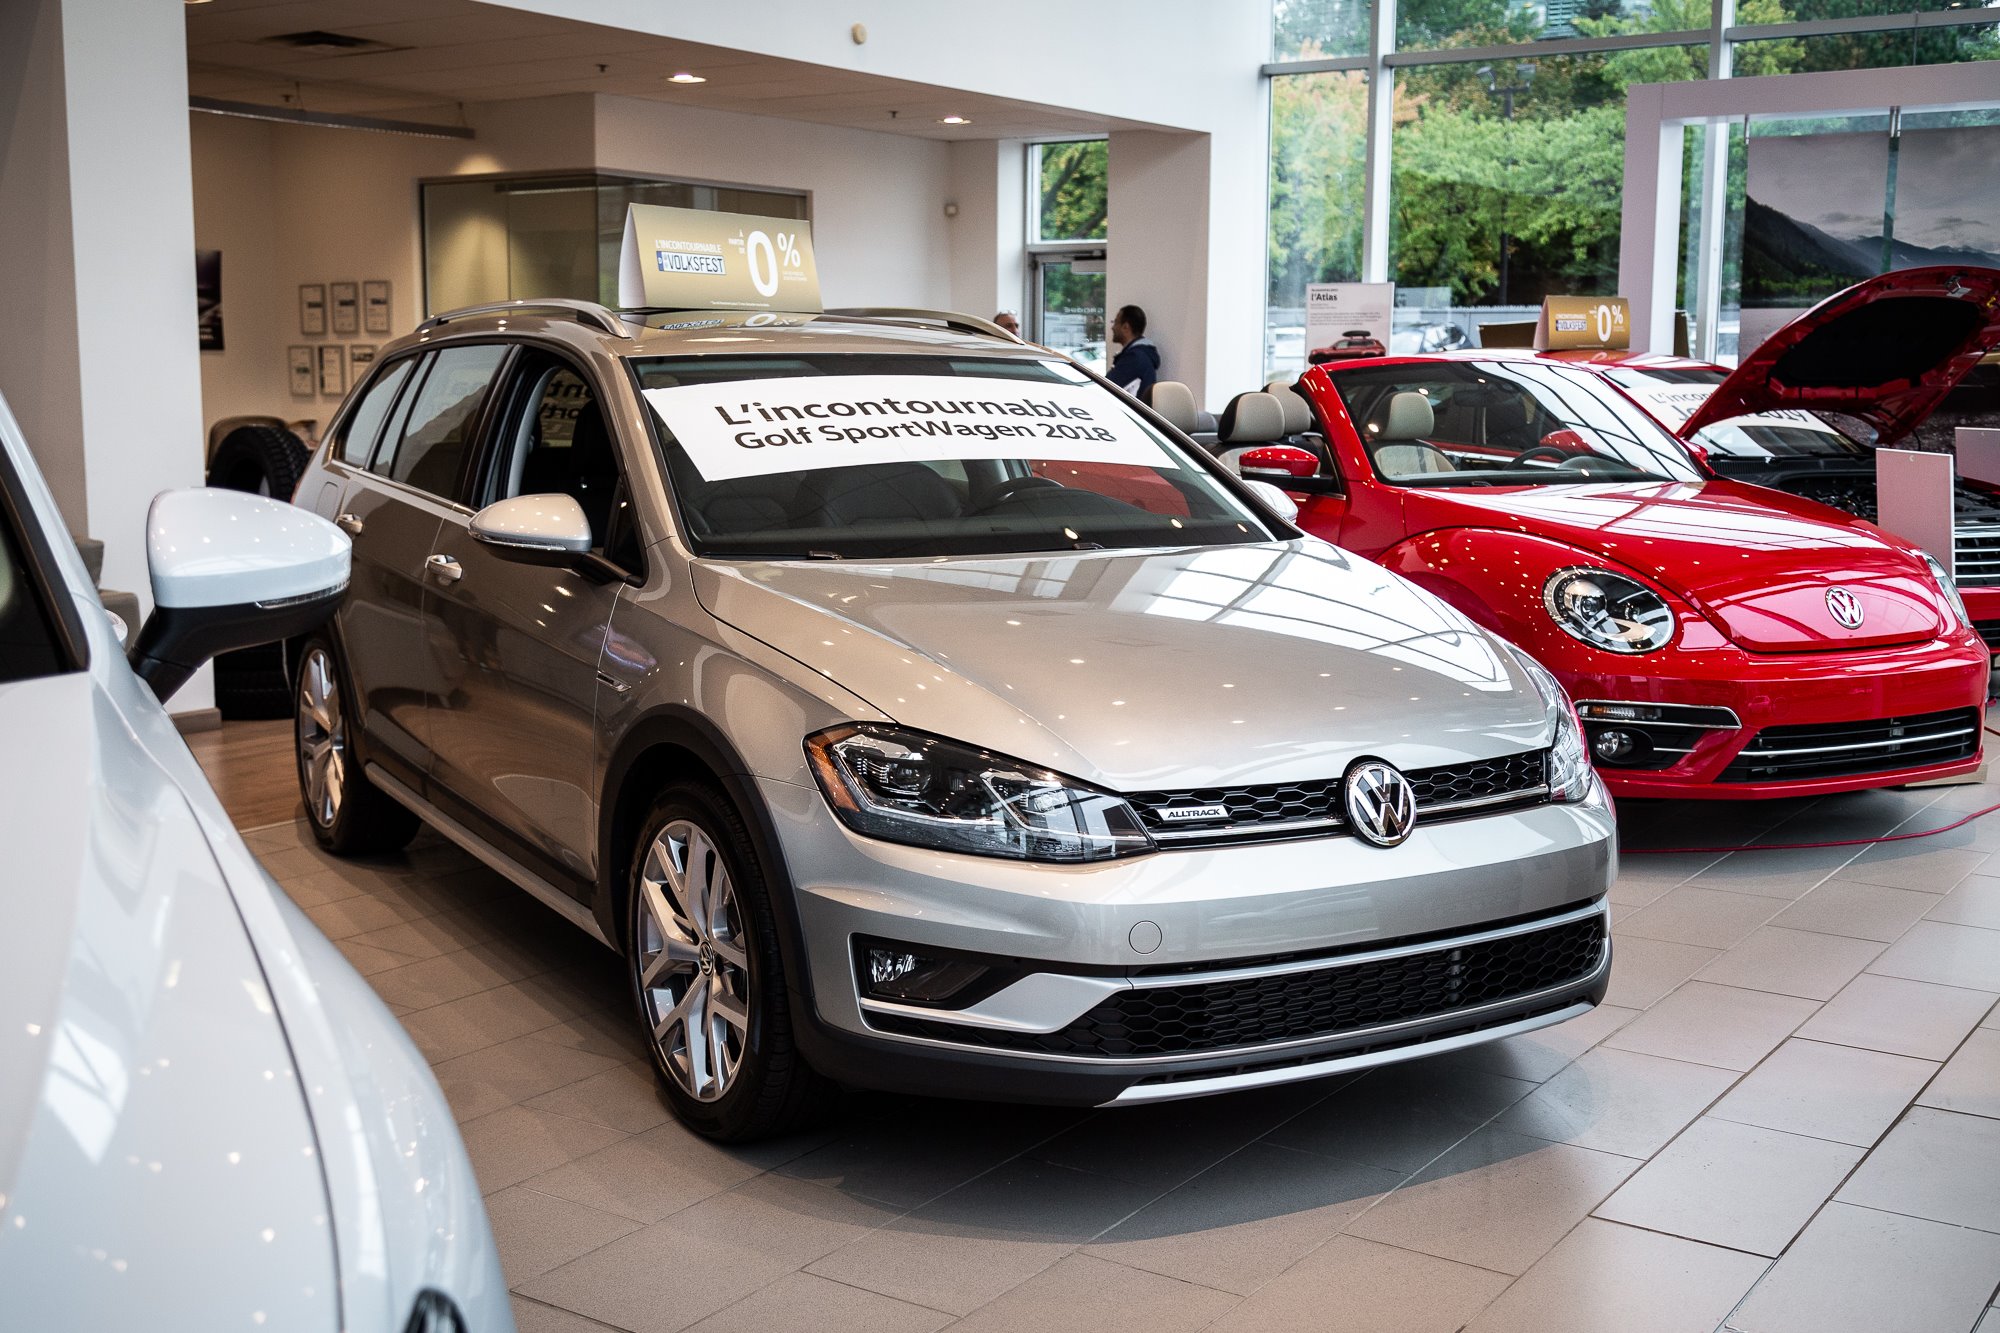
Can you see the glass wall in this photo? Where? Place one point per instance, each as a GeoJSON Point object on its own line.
{"type": "Point", "coordinates": [511, 238]}
{"type": "Point", "coordinates": [1506, 167]}
{"type": "Point", "coordinates": [1069, 205]}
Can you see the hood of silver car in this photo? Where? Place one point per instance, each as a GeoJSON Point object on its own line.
{"type": "Point", "coordinates": [1275, 662]}
{"type": "Point", "coordinates": [154, 1140]}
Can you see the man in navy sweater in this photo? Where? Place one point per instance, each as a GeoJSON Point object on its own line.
{"type": "Point", "coordinates": [1136, 369]}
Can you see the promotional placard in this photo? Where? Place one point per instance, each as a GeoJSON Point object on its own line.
{"type": "Point", "coordinates": [300, 358]}
{"type": "Point", "coordinates": [346, 297]}
{"type": "Point", "coordinates": [692, 259]}
{"type": "Point", "coordinates": [1346, 321]}
{"type": "Point", "coordinates": [755, 428]}
{"type": "Point", "coordinates": [1914, 499]}
{"type": "Point", "coordinates": [375, 305]}
{"type": "Point", "coordinates": [1584, 323]}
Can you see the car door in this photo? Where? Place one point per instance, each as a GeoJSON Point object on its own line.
{"type": "Point", "coordinates": [392, 507]}
{"type": "Point", "coordinates": [512, 726]}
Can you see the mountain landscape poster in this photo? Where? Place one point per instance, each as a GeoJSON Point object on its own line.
{"type": "Point", "coordinates": [1815, 213]}
{"type": "Point", "coordinates": [1947, 198]}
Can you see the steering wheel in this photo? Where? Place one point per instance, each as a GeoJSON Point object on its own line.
{"type": "Point", "coordinates": [1013, 486]}
{"type": "Point", "coordinates": [1560, 456]}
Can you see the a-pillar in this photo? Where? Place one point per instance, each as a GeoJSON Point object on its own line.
{"type": "Point", "coordinates": [99, 354]}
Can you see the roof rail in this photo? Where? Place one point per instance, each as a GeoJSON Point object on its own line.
{"type": "Point", "coordinates": [587, 312]}
{"type": "Point", "coordinates": [957, 323]}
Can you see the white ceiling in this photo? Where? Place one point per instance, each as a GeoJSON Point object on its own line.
{"type": "Point", "coordinates": [449, 51]}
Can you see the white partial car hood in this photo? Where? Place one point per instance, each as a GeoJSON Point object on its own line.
{"type": "Point", "coordinates": [155, 1148]}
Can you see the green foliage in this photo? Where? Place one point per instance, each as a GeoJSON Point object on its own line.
{"type": "Point", "coordinates": [1074, 190]}
{"type": "Point", "coordinates": [1318, 155]}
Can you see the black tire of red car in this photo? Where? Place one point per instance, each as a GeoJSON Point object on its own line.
{"type": "Point", "coordinates": [256, 683]}
{"type": "Point", "coordinates": [364, 819]}
{"type": "Point", "coordinates": [774, 1091]}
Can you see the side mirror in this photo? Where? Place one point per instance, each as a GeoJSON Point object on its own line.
{"type": "Point", "coordinates": [1274, 500]}
{"type": "Point", "coordinates": [232, 570]}
{"type": "Point", "coordinates": [534, 529]}
{"type": "Point", "coordinates": [1278, 461]}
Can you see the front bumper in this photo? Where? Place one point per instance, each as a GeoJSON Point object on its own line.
{"type": "Point", "coordinates": [1796, 690]}
{"type": "Point", "coordinates": [1265, 925]}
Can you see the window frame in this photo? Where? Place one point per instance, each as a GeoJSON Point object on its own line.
{"type": "Point", "coordinates": [47, 590]}
{"type": "Point", "coordinates": [476, 427]}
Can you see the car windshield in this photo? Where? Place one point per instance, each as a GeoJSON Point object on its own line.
{"type": "Point", "coordinates": [28, 644]}
{"type": "Point", "coordinates": [1504, 423]}
{"type": "Point", "coordinates": [1672, 395]}
{"type": "Point", "coordinates": [830, 455]}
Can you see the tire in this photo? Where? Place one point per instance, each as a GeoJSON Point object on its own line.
{"type": "Point", "coordinates": [349, 815]}
{"type": "Point", "coordinates": [264, 460]}
{"type": "Point", "coordinates": [253, 683]}
{"type": "Point", "coordinates": [728, 1080]}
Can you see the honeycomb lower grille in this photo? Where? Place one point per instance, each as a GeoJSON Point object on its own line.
{"type": "Point", "coordinates": [1314, 808]}
{"type": "Point", "coordinates": [1223, 1015]}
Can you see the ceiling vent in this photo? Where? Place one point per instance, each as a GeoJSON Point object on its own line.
{"type": "Point", "coordinates": [329, 43]}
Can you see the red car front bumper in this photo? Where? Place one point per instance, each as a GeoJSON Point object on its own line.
{"type": "Point", "coordinates": [1808, 724]}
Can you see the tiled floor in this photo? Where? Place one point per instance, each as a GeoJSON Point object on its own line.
{"type": "Point", "coordinates": [1786, 1118]}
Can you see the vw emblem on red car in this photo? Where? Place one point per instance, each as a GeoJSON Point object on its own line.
{"type": "Point", "coordinates": [1844, 607]}
{"type": "Point", "coordinates": [1381, 805]}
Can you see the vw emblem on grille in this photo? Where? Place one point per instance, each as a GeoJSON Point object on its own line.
{"type": "Point", "coordinates": [1381, 805]}
{"type": "Point", "coordinates": [1844, 607]}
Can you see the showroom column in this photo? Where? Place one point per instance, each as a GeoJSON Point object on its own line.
{"type": "Point", "coordinates": [1187, 243]}
{"type": "Point", "coordinates": [98, 348]}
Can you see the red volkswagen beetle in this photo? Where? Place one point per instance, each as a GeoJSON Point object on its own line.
{"type": "Point", "coordinates": [1720, 639]}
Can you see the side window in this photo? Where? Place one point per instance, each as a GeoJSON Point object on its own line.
{"type": "Point", "coordinates": [558, 443]}
{"type": "Point", "coordinates": [357, 436]}
{"type": "Point", "coordinates": [431, 446]}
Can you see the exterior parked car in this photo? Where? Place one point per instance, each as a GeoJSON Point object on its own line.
{"type": "Point", "coordinates": [1722, 640]}
{"type": "Point", "coordinates": [207, 1119]}
{"type": "Point", "coordinates": [912, 709]}
{"type": "Point", "coordinates": [1349, 345]}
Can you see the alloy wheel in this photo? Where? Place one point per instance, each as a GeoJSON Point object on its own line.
{"type": "Point", "coordinates": [322, 737]}
{"type": "Point", "coordinates": [694, 968]}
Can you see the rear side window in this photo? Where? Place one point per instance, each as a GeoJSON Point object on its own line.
{"type": "Point", "coordinates": [431, 446]}
{"type": "Point", "coordinates": [357, 437]}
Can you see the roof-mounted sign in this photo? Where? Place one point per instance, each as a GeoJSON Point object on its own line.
{"type": "Point", "coordinates": [692, 259]}
{"type": "Point", "coordinates": [1584, 323]}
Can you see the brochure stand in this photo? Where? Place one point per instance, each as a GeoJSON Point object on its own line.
{"type": "Point", "coordinates": [1913, 498]}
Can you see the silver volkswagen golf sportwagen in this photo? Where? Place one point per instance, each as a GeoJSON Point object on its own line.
{"type": "Point", "coordinates": [911, 709]}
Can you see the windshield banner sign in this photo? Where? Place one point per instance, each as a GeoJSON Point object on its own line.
{"type": "Point", "coordinates": [758, 428]}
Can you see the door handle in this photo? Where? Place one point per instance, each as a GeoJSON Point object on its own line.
{"type": "Point", "coordinates": [447, 569]}
{"type": "Point", "coordinates": [349, 524]}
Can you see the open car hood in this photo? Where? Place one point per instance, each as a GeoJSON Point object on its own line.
{"type": "Point", "coordinates": [1886, 351]}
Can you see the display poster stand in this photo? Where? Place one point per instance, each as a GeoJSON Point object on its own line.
{"type": "Point", "coordinates": [1913, 498]}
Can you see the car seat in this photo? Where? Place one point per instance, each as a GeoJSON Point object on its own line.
{"type": "Point", "coordinates": [1250, 421]}
{"type": "Point", "coordinates": [1175, 401]}
{"type": "Point", "coordinates": [1397, 437]}
{"type": "Point", "coordinates": [586, 469]}
{"type": "Point", "coordinates": [876, 493]}
{"type": "Point", "coordinates": [1297, 412]}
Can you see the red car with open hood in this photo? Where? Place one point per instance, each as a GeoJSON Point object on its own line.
{"type": "Point", "coordinates": [1720, 639]}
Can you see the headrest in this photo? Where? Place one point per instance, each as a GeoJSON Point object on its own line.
{"type": "Point", "coordinates": [1408, 417]}
{"type": "Point", "coordinates": [1298, 414]}
{"type": "Point", "coordinates": [1175, 401]}
{"type": "Point", "coordinates": [1251, 418]}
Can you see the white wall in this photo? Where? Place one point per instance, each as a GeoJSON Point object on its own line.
{"type": "Point", "coordinates": [988, 251]}
{"type": "Point", "coordinates": [878, 199]}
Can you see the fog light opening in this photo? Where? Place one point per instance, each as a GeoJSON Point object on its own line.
{"type": "Point", "coordinates": [1617, 745]}
{"type": "Point", "coordinates": [892, 972]}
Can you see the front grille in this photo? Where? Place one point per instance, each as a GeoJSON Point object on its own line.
{"type": "Point", "coordinates": [1282, 809]}
{"type": "Point", "coordinates": [1976, 555]}
{"type": "Point", "coordinates": [1849, 749]}
{"type": "Point", "coordinates": [1197, 1016]}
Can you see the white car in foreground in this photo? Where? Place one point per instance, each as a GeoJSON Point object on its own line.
{"type": "Point", "coordinates": [207, 1119]}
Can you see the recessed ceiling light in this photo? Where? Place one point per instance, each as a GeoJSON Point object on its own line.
{"type": "Point", "coordinates": [953, 120]}
{"type": "Point", "coordinates": [685, 77]}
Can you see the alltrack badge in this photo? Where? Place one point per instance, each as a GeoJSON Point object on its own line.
{"type": "Point", "coordinates": [1845, 608]}
{"type": "Point", "coordinates": [1381, 806]}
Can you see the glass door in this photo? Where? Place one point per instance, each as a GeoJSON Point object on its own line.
{"type": "Point", "coordinates": [1068, 314]}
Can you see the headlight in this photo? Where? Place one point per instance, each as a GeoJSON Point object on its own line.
{"type": "Point", "coordinates": [1607, 610]}
{"type": "Point", "coordinates": [1950, 586]}
{"type": "Point", "coordinates": [908, 787]}
{"type": "Point", "coordinates": [1570, 775]}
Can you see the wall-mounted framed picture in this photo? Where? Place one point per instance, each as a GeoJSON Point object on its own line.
{"type": "Point", "coordinates": [312, 308]}
{"type": "Point", "coordinates": [301, 361]}
{"type": "Point", "coordinates": [332, 370]}
{"type": "Point", "coordinates": [346, 298]}
{"type": "Point", "coordinates": [360, 356]}
{"type": "Point", "coordinates": [375, 305]}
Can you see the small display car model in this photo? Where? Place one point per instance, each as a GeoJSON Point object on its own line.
{"type": "Point", "coordinates": [1721, 639]}
{"type": "Point", "coordinates": [207, 1119]}
{"type": "Point", "coordinates": [1350, 345]}
{"type": "Point", "coordinates": [911, 709]}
